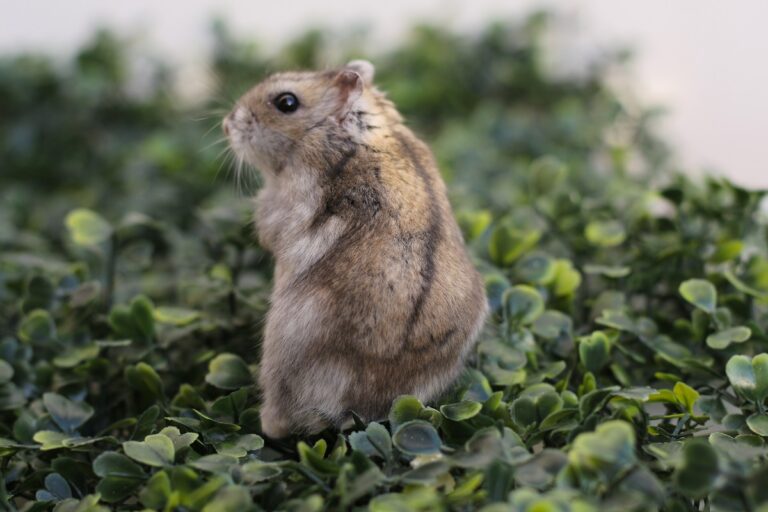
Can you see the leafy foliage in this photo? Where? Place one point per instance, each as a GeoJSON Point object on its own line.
{"type": "Point", "coordinates": [625, 365]}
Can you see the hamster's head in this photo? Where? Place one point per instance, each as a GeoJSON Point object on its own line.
{"type": "Point", "coordinates": [279, 114]}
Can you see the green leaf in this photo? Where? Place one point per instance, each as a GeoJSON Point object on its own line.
{"type": "Point", "coordinates": [155, 494]}
{"type": "Point", "coordinates": [426, 474]}
{"type": "Point", "coordinates": [523, 411]}
{"type": "Point", "coordinates": [120, 476]}
{"type": "Point", "coordinates": [232, 498]}
{"type": "Point", "coordinates": [686, 396]}
{"type": "Point", "coordinates": [6, 372]}
{"type": "Point", "coordinates": [89, 503]}
{"type": "Point", "coordinates": [744, 287]}
{"type": "Point", "coordinates": [228, 371]}
{"type": "Point", "coordinates": [523, 304]}
{"type": "Point", "coordinates": [495, 286]}
{"type": "Point", "coordinates": [670, 351]}
{"type": "Point", "coordinates": [39, 294]}
{"type": "Point", "coordinates": [608, 451]}
{"type": "Point", "coordinates": [145, 379]}
{"type": "Point", "coordinates": [87, 227]}
{"type": "Point", "coordinates": [480, 450]}
{"type": "Point", "coordinates": [142, 314]}
{"type": "Point", "coordinates": [379, 438]}
{"type": "Point", "coordinates": [727, 250]}
{"type": "Point", "coordinates": [749, 377]}
{"type": "Point", "coordinates": [507, 244]}
{"type": "Point", "coordinates": [258, 471]}
{"type": "Point", "coordinates": [540, 470]}
{"type": "Point", "coordinates": [113, 464]}
{"type": "Point", "coordinates": [76, 355]}
{"type": "Point", "coordinates": [359, 441]}
{"type": "Point", "coordinates": [56, 489]}
{"type": "Point", "coordinates": [605, 233]}
{"type": "Point", "coordinates": [760, 367]}
{"type": "Point", "coordinates": [699, 469]}
{"type": "Point", "coordinates": [461, 411]}
{"type": "Point", "coordinates": [229, 406]}
{"type": "Point", "coordinates": [314, 460]}
{"type": "Point", "coordinates": [405, 408]}
{"type": "Point", "coordinates": [209, 424]}
{"type": "Point", "coordinates": [758, 423]}
{"type": "Point", "coordinates": [614, 272]}
{"type": "Point", "coordinates": [214, 463]}
{"type": "Point", "coordinates": [188, 398]}
{"type": "Point", "coordinates": [180, 441]}
{"type": "Point", "coordinates": [536, 267]}
{"type": "Point", "coordinates": [595, 351]}
{"type": "Point", "coordinates": [417, 437]}
{"type": "Point", "coordinates": [617, 319]}
{"type": "Point", "coordinates": [545, 174]}
{"type": "Point", "coordinates": [240, 445]}
{"type": "Point", "coordinates": [722, 339]}
{"type": "Point", "coordinates": [146, 422]}
{"type": "Point", "coordinates": [473, 223]}
{"type": "Point", "coordinates": [11, 397]}
{"type": "Point", "coordinates": [51, 440]}
{"type": "Point", "coordinates": [741, 375]}
{"type": "Point", "coordinates": [67, 414]}
{"type": "Point", "coordinates": [37, 328]}
{"type": "Point", "coordinates": [175, 316]}
{"type": "Point", "coordinates": [553, 325]}
{"type": "Point", "coordinates": [547, 400]}
{"type": "Point", "coordinates": [567, 279]}
{"type": "Point", "coordinates": [701, 293]}
{"type": "Point", "coordinates": [121, 322]}
{"type": "Point", "coordinates": [156, 450]}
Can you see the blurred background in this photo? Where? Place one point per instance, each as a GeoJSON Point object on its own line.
{"type": "Point", "coordinates": [704, 62]}
{"type": "Point", "coordinates": [116, 107]}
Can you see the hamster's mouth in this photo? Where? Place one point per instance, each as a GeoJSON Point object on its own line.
{"type": "Point", "coordinates": [254, 144]}
{"type": "Point", "coordinates": [226, 123]}
{"type": "Point", "coordinates": [239, 119]}
{"type": "Point", "coordinates": [237, 127]}
{"type": "Point", "coordinates": [244, 141]}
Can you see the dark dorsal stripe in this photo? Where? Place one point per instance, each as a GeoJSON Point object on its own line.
{"type": "Point", "coordinates": [431, 238]}
{"type": "Point", "coordinates": [334, 171]}
{"type": "Point", "coordinates": [337, 168]}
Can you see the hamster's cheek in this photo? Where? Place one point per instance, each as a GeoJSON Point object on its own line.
{"type": "Point", "coordinates": [271, 147]}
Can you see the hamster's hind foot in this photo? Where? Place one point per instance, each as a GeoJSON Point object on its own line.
{"type": "Point", "coordinates": [273, 422]}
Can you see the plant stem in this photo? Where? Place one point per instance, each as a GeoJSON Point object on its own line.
{"type": "Point", "coordinates": [109, 288]}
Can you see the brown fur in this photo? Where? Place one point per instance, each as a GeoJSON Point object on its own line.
{"type": "Point", "coordinates": [375, 295]}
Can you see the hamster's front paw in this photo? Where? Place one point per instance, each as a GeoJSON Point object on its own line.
{"type": "Point", "coordinates": [274, 423]}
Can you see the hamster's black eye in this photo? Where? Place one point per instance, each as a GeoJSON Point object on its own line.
{"type": "Point", "coordinates": [286, 102]}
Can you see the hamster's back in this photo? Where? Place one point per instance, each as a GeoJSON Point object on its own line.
{"type": "Point", "coordinates": [405, 303]}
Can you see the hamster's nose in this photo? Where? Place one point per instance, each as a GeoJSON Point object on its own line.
{"type": "Point", "coordinates": [225, 124]}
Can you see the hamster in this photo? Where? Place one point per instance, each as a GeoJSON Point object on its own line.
{"type": "Point", "coordinates": [374, 293]}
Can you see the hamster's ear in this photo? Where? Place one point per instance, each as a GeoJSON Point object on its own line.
{"type": "Point", "coordinates": [364, 68]}
{"type": "Point", "coordinates": [349, 85]}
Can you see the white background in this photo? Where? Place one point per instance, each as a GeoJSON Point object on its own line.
{"type": "Point", "coordinates": [706, 60]}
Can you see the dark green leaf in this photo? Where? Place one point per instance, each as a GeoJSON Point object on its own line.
{"type": "Point", "coordinates": [68, 415]}
{"type": "Point", "coordinates": [417, 437]}
{"type": "Point", "coordinates": [461, 410]}
{"type": "Point", "coordinates": [228, 371]}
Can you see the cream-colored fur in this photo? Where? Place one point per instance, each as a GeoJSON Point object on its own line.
{"type": "Point", "coordinates": [374, 294]}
